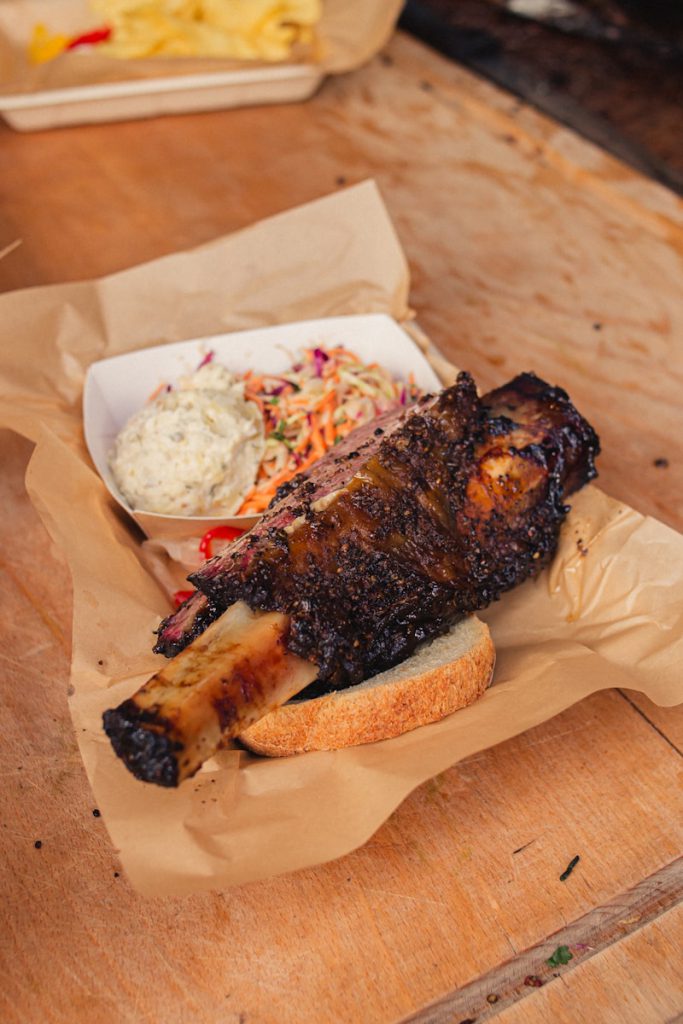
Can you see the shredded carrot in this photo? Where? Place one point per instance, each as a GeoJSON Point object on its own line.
{"type": "Point", "coordinates": [317, 442]}
{"type": "Point", "coordinates": [256, 399]}
{"type": "Point", "coordinates": [345, 428]}
{"type": "Point", "coordinates": [303, 444]}
{"type": "Point", "coordinates": [257, 504]}
{"type": "Point", "coordinates": [339, 351]}
{"type": "Point", "coordinates": [328, 399]}
{"type": "Point", "coordinates": [327, 394]}
{"type": "Point", "coordinates": [281, 478]}
{"type": "Point", "coordinates": [157, 392]}
{"type": "Point", "coordinates": [307, 462]}
{"type": "Point", "coordinates": [329, 432]}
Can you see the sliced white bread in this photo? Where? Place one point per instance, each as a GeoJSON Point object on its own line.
{"type": "Point", "coordinates": [442, 676]}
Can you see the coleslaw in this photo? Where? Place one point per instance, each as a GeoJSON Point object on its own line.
{"type": "Point", "coordinates": [307, 410]}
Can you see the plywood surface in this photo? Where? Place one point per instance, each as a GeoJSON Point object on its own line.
{"type": "Point", "coordinates": [528, 249]}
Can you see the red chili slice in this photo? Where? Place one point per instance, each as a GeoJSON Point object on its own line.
{"type": "Point", "coordinates": [217, 533]}
{"type": "Point", "coordinates": [96, 35]}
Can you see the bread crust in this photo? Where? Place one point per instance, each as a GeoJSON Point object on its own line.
{"type": "Point", "coordinates": [380, 709]}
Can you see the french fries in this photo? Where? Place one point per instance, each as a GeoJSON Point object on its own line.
{"type": "Point", "coordinates": [267, 30]}
{"type": "Point", "coordinates": [244, 29]}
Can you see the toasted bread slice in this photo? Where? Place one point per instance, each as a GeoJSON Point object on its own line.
{"type": "Point", "coordinates": [442, 676]}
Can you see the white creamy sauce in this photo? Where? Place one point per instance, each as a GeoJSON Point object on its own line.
{"type": "Point", "coordinates": [194, 450]}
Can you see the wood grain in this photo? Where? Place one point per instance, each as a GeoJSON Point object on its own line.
{"type": "Point", "coordinates": [637, 981]}
{"type": "Point", "coordinates": [669, 721]}
{"type": "Point", "coordinates": [521, 240]}
{"type": "Point", "coordinates": [589, 936]}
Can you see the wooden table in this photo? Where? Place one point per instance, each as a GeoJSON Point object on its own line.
{"type": "Point", "coordinates": [616, 81]}
{"type": "Point", "coordinates": [528, 248]}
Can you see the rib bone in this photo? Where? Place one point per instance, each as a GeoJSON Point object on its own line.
{"type": "Point", "coordinates": [236, 671]}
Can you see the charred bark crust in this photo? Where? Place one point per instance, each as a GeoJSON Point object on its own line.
{"type": "Point", "coordinates": [440, 513]}
{"type": "Point", "coordinates": [143, 744]}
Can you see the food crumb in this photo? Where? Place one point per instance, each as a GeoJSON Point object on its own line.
{"type": "Point", "coordinates": [661, 463]}
{"type": "Point", "coordinates": [100, 661]}
{"type": "Point", "coordinates": [597, 326]}
{"type": "Point", "coordinates": [95, 812]}
{"type": "Point", "coordinates": [533, 981]}
{"type": "Point", "coordinates": [116, 874]}
{"type": "Point", "coordinates": [340, 180]}
{"type": "Point", "coordinates": [569, 868]}
{"type": "Point", "coordinates": [38, 843]}
{"type": "Point", "coordinates": [560, 957]}
{"type": "Point", "coordinates": [493, 998]}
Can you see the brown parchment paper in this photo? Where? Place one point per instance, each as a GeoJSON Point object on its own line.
{"type": "Point", "coordinates": [609, 612]}
{"type": "Point", "coordinates": [349, 34]}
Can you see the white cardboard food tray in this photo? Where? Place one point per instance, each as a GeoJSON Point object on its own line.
{"type": "Point", "coordinates": [116, 388]}
{"type": "Point", "coordinates": [121, 101]}
{"type": "Point", "coordinates": [54, 102]}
